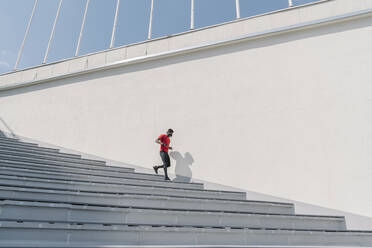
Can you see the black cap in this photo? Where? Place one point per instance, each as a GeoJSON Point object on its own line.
{"type": "Point", "coordinates": [170, 130]}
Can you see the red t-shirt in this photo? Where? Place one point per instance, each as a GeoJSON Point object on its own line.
{"type": "Point", "coordinates": [165, 140]}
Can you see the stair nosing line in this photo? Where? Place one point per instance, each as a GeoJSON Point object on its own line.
{"type": "Point", "coordinates": [35, 178]}
{"type": "Point", "coordinates": [22, 189]}
{"type": "Point", "coordinates": [71, 206]}
{"type": "Point", "coordinates": [92, 175]}
{"type": "Point", "coordinates": [103, 184]}
{"type": "Point", "coordinates": [204, 227]}
{"type": "Point", "coordinates": [81, 173]}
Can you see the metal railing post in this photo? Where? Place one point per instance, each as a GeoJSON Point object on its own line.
{"type": "Point", "coordinates": [25, 37]}
{"type": "Point", "coordinates": [237, 4]}
{"type": "Point", "coordinates": [192, 15]}
{"type": "Point", "coordinates": [115, 24]}
{"type": "Point", "coordinates": [290, 3]}
{"type": "Point", "coordinates": [52, 33]}
{"type": "Point", "coordinates": [82, 28]}
{"type": "Point", "coordinates": [150, 24]}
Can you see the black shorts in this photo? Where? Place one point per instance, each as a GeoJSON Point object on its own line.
{"type": "Point", "coordinates": [165, 157]}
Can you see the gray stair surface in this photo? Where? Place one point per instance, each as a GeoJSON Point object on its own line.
{"type": "Point", "coordinates": [8, 171]}
{"type": "Point", "coordinates": [167, 246]}
{"type": "Point", "coordinates": [16, 143]}
{"type": "Point", "coordinates": [83, 172]}
{"type": "Point", "coordinates": [57, 161]}
{"type": "Point", "coordinates": [38, 151]}
{"type": "Point", "coordinates": [25, 161]}
{"type": "Point", "coordinates": [50, 211]}
{"type": "Point", "coordinates": [54, 199]}
{"type": "Point", "coordinates": [53, 157]}
{"type": "Point", "coordinates": [28, 147]}
{"type": "Point", "coordinates": [144, 201]}
{"type": "Point", "coordinates": [39, 232]}
{"type": "Point", "coordinates": [105, 186]}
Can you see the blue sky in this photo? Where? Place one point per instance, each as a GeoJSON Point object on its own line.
{"type": "Point", "coordinates": [170, 17]}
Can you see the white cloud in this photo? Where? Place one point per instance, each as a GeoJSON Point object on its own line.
{"type": "Point", "coordinates": [4, 64]}
{"type": "Point", "coordinates": [3, 59]}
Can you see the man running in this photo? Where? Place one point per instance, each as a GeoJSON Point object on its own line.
{"type": "Point", "coordinates": [164, 142]}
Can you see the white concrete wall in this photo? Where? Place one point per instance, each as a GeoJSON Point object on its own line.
{"type": "Point", "coordinates": [288, 115]}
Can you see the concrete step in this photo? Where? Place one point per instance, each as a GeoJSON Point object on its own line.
{"type": "Point", "coordinates": [17, 142]}
{"type": "Point", "coordinates": [111, 172]}
{"type": "Point", "coordinates": [156, 246]}
{"type": "Point", "coordinates": [38, 211]}
{"type": "Point", "coordinates": [87, 173]}
{"type": "Point", "coordinates": [160, 190]}
{"type": "Point", "coordinates": [4, 159]}
{"type": "Point", "coordinates": [37, 151]}
{"type": "Point", "coordinates": [142, 201]}
{"type": "Point", "coordinates": [93, 179]}
{"type": "Point", "coordinates": [26, 233]}
{"type": "Point", "coordinates": [9, 138]}
{"type": "Point", "coordinates": [106, 168]}
{"type": "Point", "coordinates": [51, 157]}
{"type": "Point", "coordinates": [47, 161]}
{"type": "Point", "coordinates": [32, 148]}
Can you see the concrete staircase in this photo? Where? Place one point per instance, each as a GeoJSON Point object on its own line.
{"type": "Point", "coordinates": [54, 199]}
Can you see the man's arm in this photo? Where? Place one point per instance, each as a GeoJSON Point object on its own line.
{"type": "Point", "coordinates": [157, 141]}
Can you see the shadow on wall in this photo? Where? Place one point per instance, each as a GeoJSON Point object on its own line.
{"type": "Point", "coordinates": [4, 125]}
{"type": "Point", "coordinates": [183, 166]}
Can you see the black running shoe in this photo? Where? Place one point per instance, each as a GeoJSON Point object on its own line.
{"type": "Point", "coordinates": [167, 179]}
{"type": "Point", "coordinates": [155, 169]}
